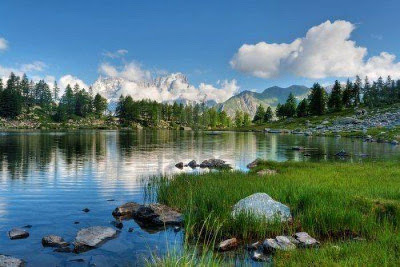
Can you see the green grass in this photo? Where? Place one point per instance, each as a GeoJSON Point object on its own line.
{"type": "Point", "coordinates": [333, 202]}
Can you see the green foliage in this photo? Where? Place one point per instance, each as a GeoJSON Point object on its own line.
{"type": "Point", "coordinates": [259, 116]}
{"type": "Point", "coordinates": [269, 114]}
{"type": "Point", "coordinates": [303, 108]}
{"type": "Point", "coordinates": [317, 100]}
{"type": "Point", "coordinates": [335, 102]}
{"type": "Point", "coordinates": [99, 105]}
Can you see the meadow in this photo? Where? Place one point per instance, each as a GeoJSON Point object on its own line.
{"type": "Point", "coordinates": [353, 209]}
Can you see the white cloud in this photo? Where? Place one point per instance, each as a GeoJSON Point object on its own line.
{"type": "Point", "coordinates": [116, 54]}
{"type": "Point", "coordinates": [3, 44]}
{"type": "Point", "coordinates": [131, 71]}
{"type": "Point", "coordinates": [34, 66]}
{"type": "Point", "coordinates": [325, 51]}
{"type": "Point", "coordinates": [71, 80]}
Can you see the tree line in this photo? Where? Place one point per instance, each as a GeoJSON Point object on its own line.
{"type": "Point", "coordinates": [353, 94]}
{"type": "Point", "coordinates": [19, 94]}
{"type": "Point", "coordinates": [152, 113]}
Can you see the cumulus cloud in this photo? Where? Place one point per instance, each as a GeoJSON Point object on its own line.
{"type": "Point", "coordinates": [71, 80]}
{"type": "Point", "coordinates": [325, 51]}
{"type": "Point", "coordinates": [116, 54]}
{"type": "Point", "coordinates": [3, 44]}
{"type": "Point", "coordinates": [131, 79]}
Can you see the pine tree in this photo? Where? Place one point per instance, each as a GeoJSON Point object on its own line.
{"type": "Point", "coordinates": [259, 116]}
{"type": "Point", "coordinates": [335, 98]}
{"type": "Point", "coordinates": [302, 108]}
{"type": "Point", "coordinates": [238, 118]}
{"type": "Point", "coordinates": [347, 93]}
{"type": "Point", "coordinates": [290, 106]}
{"type": "Point", "coordinates": [99, 104]}
{"type": "Point", "coordinates": [356, 91]}
{"type": "Point", "coordinates": [56, 91]}
{"type": "Point", "coordinates": [268, 115]}
{"type": "Point", "coordinates": [317, 100]}
{"type": "Point", "coordinates": [246, 119]}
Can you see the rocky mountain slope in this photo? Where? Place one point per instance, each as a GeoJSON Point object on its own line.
{"type": "Point", "coordinates": [248, 101]}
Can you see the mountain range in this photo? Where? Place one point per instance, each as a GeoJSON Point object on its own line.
{"type": "Point", "coordinates": [248, 101]}
{"type": "Point", "coordinates": [175, 87]}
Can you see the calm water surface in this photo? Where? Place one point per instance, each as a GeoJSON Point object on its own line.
{"type": "Point", "coordinates": [47, 178]}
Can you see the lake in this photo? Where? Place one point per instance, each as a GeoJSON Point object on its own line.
{"type": "Point", "coordinates": [48, 178]}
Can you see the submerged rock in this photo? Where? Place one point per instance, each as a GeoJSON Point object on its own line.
{"type": "Point", "coordinates": [150, 215]}
{"type": "Point", "coordinates": [263, 206]}
{"type": "Point", "coordinates": [179, 165]}
{"type": "Point", "coordinates": [192, 164]}
{"type": "Point", "coordinates": [117, 224]}
{"type": "Point", "coordinates": [53, 241]}
{"type": "Point", "coordinates": [18, 233]}
{"type": "Point", "coordinates": [8, 261]}
{"type": "Point", "coordinates": [92, 237]}
{"type": "Point", "coordinates": [259, 256]}
{"type": "Point", "coordinates": [342, 153]}
{"type": "Point", "coordinates": [228, 244]}
{"type": "Point", "coordinates": [86, 210]}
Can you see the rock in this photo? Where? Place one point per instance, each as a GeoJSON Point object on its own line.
{"type": "Point", "coordinates": [150, 215]}
{"type": "Point", "coordinates": [342, 153]}
{"type": "Point", "coordinates": [117, 224]}
{"type": "Point", "coordinates": [305, 240]}
{"type": "Point", "coordinates": [76, 222]}
{"type": "Point", "coordinates": [8, 261]}
{"type": "Point", "coordinates": [228, 244]}
{"type": "Point", "coordinates": [259, 256]}
{"type": "Point", "coordinates": [63, 250]}
{"type": "Point", "coordinates": [110, 200]}
{"type": "Point", "coordinates": [215, 164]}
{"type": "Point", "coordinates": [92, 237]}
{"type": "Point", "coordinates": [130, 230]}
{"type": "Point", "coordinates": [86, 210]}
{"type": "Point", "coordinates": [53, 241]}
{"type": "Point", "coordinates": [177, 229]}
{"type": "Point", "coordinates": [253, 246]}
{"type": "Point", "coordinates": [185, 128]}
{"type": "Point", "coordinates": [266, 172]}
{"type": "Point", "coordinates": [285, 243]}
{"type": "Point", "coordinates": [263, 206]}
{"type": "Point", "coordinates": [394, 142]}
{"type": "Point", "coordinates": [325, 122]}
{"type": "Point", "coordinates": [179, 165]}
{"type": "Point", "coordinates": [192, 164]}
{"type": "Point", "coordinates": [18, 233]}
{"type": "Point", "coordinates": [297, 148]}
{"type": "Point", "coordinates": [270, 245]}
{"type": "Point", "coordinates": [361, 112]}
{"type": "Point", "coordinates": [347, 120]}
{"type": "Point", "coordinates": [253, 164]}
{"type": "Point", "coordinates": [127, 209]}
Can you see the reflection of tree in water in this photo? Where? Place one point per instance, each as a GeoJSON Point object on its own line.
{"type": "Point", "coordinates": [20, 152]}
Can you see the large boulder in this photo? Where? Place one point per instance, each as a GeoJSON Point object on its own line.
{"type": "Point", "coordinates": [92, 237]}
{"type": "Point", "coordinates": [228, 244]}
{"type": "Point", "coordinates": [150, 215]}
{"type": "Point", "coordinates": [8, 261]}
{"type": "Point", "coordinates": [53, 241]}
{"type": "Point", "coordinates": [305, 240]}
{"type": "Point", "coordinates": [262, 206]}
{"type": "Point", "coordinates": [17, 233]}
{"type": "Point", "coordinates": [254, 163]}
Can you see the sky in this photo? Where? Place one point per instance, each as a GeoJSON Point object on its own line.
{"type": "Point", "coordinates": [226, 45]}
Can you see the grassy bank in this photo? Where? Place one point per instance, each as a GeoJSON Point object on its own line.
{"type": "Point", "coordinates": [334, 202]}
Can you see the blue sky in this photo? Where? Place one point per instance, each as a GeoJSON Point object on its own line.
{"type": "Point", "coordinates": [197, 38]}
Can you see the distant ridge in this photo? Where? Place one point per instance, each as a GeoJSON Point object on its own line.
{"type": "Point", "coordinates": [247, 101]}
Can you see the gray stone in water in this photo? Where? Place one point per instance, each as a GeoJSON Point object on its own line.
{"type": "Point", "coordinates": [215, 163]}
{"type": "Point", "coordinates": [127, 209]}
{"type": "Point", "coordinates": [192, 164]}
{"type": "Point", "coordinates": [18, 233]}
{"type": "Point", "coordinates": [228, 244]}
{"type": "Point", "coordinates": [270, 245]}
{"type": "Point", "coordinates": [53, 241]}
{"type": "Point", "coordinates": [91, 237]}
{"type": "Point", "coordinates": [306, 240]}
{"type": "Point", "coordinates": [259, 256]}
{"type": "Point", "coordinates": [179, 165]}
{"type": "Point", "coordinates": [8, 261]}
{"type": "Point", "coordinates": [285, 243]}
{"type": "Point", "coordinates": [261, 205]}
{"type": "Point", "coordinates": [253, 164]}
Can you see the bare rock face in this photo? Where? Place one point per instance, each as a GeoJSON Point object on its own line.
{"type": "Point", "coordinates": [54, 241]}
{"type": "Point", "coordinates": [228, 244]}
{"type": "Point", "coordinates": [7, 261]}
{"type": "Point", "coordinates": [92, 237]}
{"type": "Point", "coordinates": [150, 215]}
{"type": "Point", "coordinates": [18, 233]}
